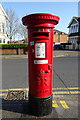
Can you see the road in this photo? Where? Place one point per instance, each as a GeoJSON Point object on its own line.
{"type": "Point", "coordinates": [15, 72]}
{"type": "Point", "coordinates": [65, 86]}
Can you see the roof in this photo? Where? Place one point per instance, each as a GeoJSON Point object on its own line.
{"type": "Point", "coordinates": [55, 30]}
{"type": "Point", "coordinates": [3, 11]}
{"type": "Point", "coordinates": [77, 19]}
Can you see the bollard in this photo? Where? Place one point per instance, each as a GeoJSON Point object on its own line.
{"type": "Point", "coordinates": [40, 59]}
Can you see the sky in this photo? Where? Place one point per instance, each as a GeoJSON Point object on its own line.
{"type": "Point", "coordinates": [79, 8]}
{"type": "Point", "coordinates": [65, 10]}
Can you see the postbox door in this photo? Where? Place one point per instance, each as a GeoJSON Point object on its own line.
{"type": "Point", "coordinates": [40, 62]}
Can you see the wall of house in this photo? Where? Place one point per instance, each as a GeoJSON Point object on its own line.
{"type": "Point", "coordinates": [56, 38]}
{"type": "Point", "coordinates": [74, 33]}
{"type": "Point", "coordinates": [3, 35]}
{"type": "Point", "coordinates": [74, 40]}
{"type": "Point", "coordinates": [60, 38]}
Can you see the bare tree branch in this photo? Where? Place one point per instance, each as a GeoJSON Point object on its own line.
{"type": "Point", "coordinates": [12, 24]}
{"type": "Point", "coordinates": [23, 32]}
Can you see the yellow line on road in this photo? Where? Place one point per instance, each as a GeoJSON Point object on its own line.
{"type": "Point", "coordinates": [55, 92]}
{"type": "Point", "coordinates": [3, 94]}
{"type": "Point", "coordinates": [67, 92]}
{"type": "Point", "coordinates": [72, 88]}
{"type": "Point", "coordinates": [75, 92]}
{"type": "Point", "coordinates": [15, 89]}
{"type": "Point", "coordinates": [64, 104]}
{"type": "Point", "coordinates": [54, 104]}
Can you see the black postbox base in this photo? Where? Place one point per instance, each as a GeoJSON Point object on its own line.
{"type": "Point", "coordinates": [40, 106]}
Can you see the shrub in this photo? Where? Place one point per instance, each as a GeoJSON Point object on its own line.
{"type": "Point", "coordinates": [23, 45]}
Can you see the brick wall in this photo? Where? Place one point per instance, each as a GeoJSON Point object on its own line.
{"type": "Point", "coordinates": [14, 51]}
{"type": "Point", "coordinates": [60, 38]}
{"type": "Point", "coordinates": [63, 38]}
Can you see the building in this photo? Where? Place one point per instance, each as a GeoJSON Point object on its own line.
{"type": "Point", "coordinates": [60, 37]}
{"type": "Point", "coordinates": [3, 18]}
{"type": "Point", "coordinates": [74, 33]}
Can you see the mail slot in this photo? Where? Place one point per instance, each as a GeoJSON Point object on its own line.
{"type": "Point", "coordinates": [40, 34]}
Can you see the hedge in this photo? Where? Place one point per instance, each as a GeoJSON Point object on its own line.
{"type": "Point", "coordinates": [23, 45]}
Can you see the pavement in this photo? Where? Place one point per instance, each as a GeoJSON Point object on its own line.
{"type": "Point", "coordinates": [14, 104]}
{"type": "Point", "coordinates": [57, 53]}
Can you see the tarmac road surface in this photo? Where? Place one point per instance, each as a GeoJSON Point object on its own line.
{"type": "Point", "coordinates": [65, 87]}
{"type": "Point", "coordinates": [15, 72]}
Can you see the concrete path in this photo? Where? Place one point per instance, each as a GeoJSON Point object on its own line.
{"type": "Point", "coordinates": [57, 53]}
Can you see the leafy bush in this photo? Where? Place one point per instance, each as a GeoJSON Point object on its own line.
{"type": "Point", "coordinates": [23, 45]}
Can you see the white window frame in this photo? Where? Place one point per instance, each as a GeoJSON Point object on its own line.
{"type": "Point", "coordinates": [73, 28]}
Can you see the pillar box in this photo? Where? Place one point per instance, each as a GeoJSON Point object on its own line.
{"type": "Point", "coordinates": [40, 59]}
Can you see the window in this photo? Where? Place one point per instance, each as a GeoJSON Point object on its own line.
{"type": "Point", "coordinates": [76, 28]}
{"type": "Point", "coordinates": [70, 30]}
{"type": "Point", "coordinates": [0, 41]}
{"type": "Point", "coordinates": [59, 33]}
{"type": "Point", "coordinates": [3, 28]}
{"type": "Point", "coordinates": [3, 41]}
{"type": "Point", "coordinates": [73, 28]}
{"type": "Point", "coordinates": [54, 32]}
{"type": "Point", "coordinates": [73, 40]}
{"type": "Point", "coordinates": [0, 27]}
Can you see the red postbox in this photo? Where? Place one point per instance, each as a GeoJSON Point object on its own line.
{"type": "Point", "coordinates": [40, 58]}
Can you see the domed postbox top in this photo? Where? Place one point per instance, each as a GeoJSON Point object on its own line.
{"type": "Point", "coordinates": [40, 18]}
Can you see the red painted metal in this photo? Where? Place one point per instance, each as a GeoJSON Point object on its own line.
{"type": "Point", "coordinates": [40, 52]}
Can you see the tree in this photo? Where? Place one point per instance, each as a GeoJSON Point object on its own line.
{"type": "Point", "coordinates": [23, 32]}
{"type": "Point", "coordinates": [12, 24]}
